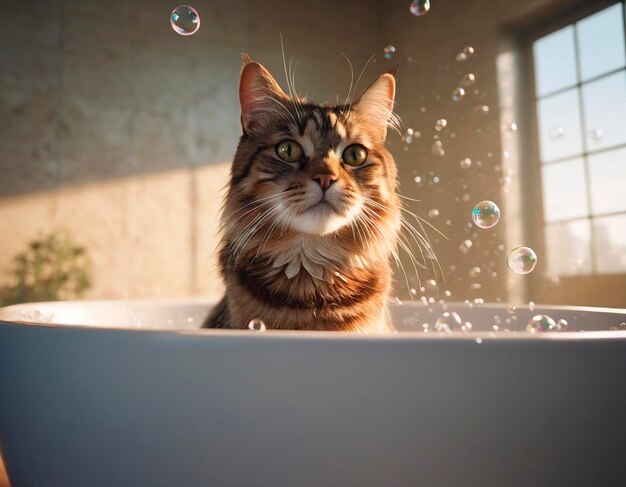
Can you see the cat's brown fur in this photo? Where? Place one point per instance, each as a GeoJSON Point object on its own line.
{"type": "Point", "coordinates": [293, 254]}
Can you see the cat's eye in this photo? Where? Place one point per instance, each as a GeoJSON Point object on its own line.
{"type": "Point", "coordinates": [289, 151]}
{"type": "Point", "coordinates": [355, 155]}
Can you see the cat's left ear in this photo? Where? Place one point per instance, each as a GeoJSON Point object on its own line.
{"type": "Point", "coordinates": [376, 103]}
{"type": "Point", "coordinates": [259, 94]}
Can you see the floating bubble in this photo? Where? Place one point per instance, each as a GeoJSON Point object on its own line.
{"type": "Point", "coordinates": [541, 323]}
{"type": "Point", "coordinates": [437, 149]}
{"type": "Point", "coordinates": [556, 133]}
{"type": "Point", "coordinates": [474, 272]}
{"type": "Point", "coordinates": [448, 322]}
{"type": "Point", "coordinates": [465, 197]}
{"type": "Point", "coordinates": [596, 135]}
{"type": "Point", "coordinates": [465, 162]}
{"type": "Point", "coordinates": [418, 179]}
{"type": "Point", "coordinates": [482, 109]}
{"type": "Point", "coordinates": [466, 53]}
{"type": "Point", "coordinates": [441, 124]}
{"type": "Point", "coordinates": [486, 214]}
{"type": "Point", "coordinates": [562, 325]}
{"type": "Point", "coordinates": [469, 51]}
{"type": "Point", "coordinates": [521, 260]}
{"type": "Point", "coordinates": [458, 94]}
{"type": "Point", "coordinates": [431, 282]}
{"type": "Point", "coordinates": [433, 213]}
{"type": "Point", "coordinates": [389, 51]}
{"type": "Point", "coordinates": [185, 20]}
{"type": "Point", "coordinates": [512, 127]}
{"type": "Point", "coordinates": [256, 325]}
{"type": "Point", "coordinates": [468, 79]}
{"type": "Point", "coordinates": [419, 7]}
{"type": "Point", "coordinates": [465, 246]}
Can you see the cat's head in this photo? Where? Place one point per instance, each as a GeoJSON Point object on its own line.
{"type": "Point", "coordinates": [315, 169]}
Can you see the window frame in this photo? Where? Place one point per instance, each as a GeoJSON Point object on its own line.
{"type": "Point", "coordinates": [545, 29]}
{"type": "Point", "coordinates": [572, 288]}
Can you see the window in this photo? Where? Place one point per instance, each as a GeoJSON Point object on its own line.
{"type": "Point", "coordinates": [580, 89]}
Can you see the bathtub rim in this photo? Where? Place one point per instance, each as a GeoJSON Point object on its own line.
{"type": "Point", "coordinates": [472, 336]}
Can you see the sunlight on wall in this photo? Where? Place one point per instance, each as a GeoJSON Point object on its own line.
{"type": "Point", "coordinates": [151, 235]}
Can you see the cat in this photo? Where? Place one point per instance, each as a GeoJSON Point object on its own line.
{"type": "Point", "coordinates": [312, 216]}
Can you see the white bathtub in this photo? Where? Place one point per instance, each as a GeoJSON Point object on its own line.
{"type": "Point", "coordinates": [135, 395]}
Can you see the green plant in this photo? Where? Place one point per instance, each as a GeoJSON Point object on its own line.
{"type": "Point", "coordinates": [53, 267]}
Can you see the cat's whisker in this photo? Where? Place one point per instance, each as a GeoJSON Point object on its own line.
{"type": "Point", "coordinates": [349, 95]}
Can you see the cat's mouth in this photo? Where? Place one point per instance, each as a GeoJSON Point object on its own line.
{"type": "Point", "coordinates": [323, 217]}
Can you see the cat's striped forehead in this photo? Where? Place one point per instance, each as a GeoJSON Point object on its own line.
{"type": "Point", "coordinates": [323, 129]}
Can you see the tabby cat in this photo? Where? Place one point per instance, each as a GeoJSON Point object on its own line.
{"type": "Point", "coordinates": [312, 216]}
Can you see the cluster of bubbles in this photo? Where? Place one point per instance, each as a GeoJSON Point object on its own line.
{"type": "Point", "coordinates": [419, 7]}
{"type": "Point", "coordinates": [543, 323]}
{"type": "Point", "coordinates": [437, 149]}
{"type": "Point", "coordinates": [185, 20]}
{"type": "Point", "coordinates": [465, 54]}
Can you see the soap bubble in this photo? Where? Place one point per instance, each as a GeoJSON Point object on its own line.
{"type": "Point", "coordinates": [389, 51]}
{"type": "Point", "coordinates": [521, 260]}
{"type": "Point", "coordinates": [185, 20]}
{"type": "Point", "coordinates": [596, 135]}
{"type": "Point", "coordinates": [465, 246]}
{"type": "Point", "coordinates": [458, 94]}
{"type": "Point", "coordinates": [433, 213]}
{"type": "Point", "coordinates": [448, 322]}
{"type": "Point", "coordinates": [482, 109]}
{"type": "Point", "coordinates": [541, 323]}
{"type": "Point", "coordinates": [437, 149]}
{"type": "Point", "coordinates": [465, 162]}
{"type": "Point", "coordinates": [474, 272]}
{"type": "Point", "coordinates": [556, 133]}
{"type": "Point", "coordinates": [441, 124]}
{"type": "Point", "coordinates": [562, 325]}
{"type": "Point", "coordinates": [485, 214]}
{"type": "Point", "coordinates": [468, 79]}
{"type": "Point", "coordinates": [467, 52]}
{"type": "Point", "coordinates": [256, 325]}
{"type": "Point", "coordinates": [431, 282]}
{"type": "Point", "coordinates": [419, 7]}
{"type": "Point", "coordinates": [512, 127]}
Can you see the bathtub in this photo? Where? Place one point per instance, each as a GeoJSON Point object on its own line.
{"type": "Point", "coordinates": [133, 394]}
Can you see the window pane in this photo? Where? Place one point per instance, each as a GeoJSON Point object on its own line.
{"type": "Point", "coordinates": [604, 103]}
{"type": "Point", "coordinates": [559, 126]}
{"type": "Point", "coordinates": [564, 194]}
{"type": "Point", "coordinates": [569, 248]}
{"type": "Point", "coordinates": [601, 42]}
{"type": "Point", "coordinates": [610, 243]}
{"type": "Point", "coordinates": [555, 61]}
{"type": "Point", "coordinates": [607, 172]}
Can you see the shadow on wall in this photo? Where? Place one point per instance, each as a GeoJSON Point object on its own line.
{"type": "Point", "coordinates": [91, 92]}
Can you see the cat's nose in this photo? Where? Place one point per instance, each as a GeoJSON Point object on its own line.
{"type": "Point", "coordinates": [325, 180]}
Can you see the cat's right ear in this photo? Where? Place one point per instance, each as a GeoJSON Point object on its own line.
{"type": "Point", "coordinates": [259, 94]}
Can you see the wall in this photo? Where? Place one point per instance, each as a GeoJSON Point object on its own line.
{"type": "Point", "coordinates": [121, 131]}
{"type": "Point", "coordinates": [426, 50]}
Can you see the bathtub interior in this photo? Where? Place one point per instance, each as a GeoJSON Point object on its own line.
{"type": "Point", "coordinates": [496, 319]}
